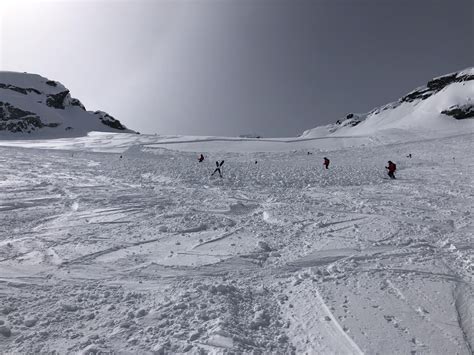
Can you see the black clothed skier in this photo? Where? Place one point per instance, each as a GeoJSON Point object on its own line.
{"type": "Point", "coordinates": [218, 169]}
{"type": "Point", "coordinates": [326, 163]}
{"type": "Point", "coordinates": [391, 169]}
{"type": "Point", "coordinates": [201, 158]}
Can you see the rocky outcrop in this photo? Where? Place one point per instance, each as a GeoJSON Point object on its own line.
{"type": "Point", "coordinates": [31, 103]}
{"type": "Point", "coordinates": [108, 120]}
{"type": "Point", "coordinates": [14, 119]}
{"type": "Point", "coordinates": [436, 85]}
{"type": "Point", "coordinates": [460, 112]}
{"type": "Point", "coordinates": [51, 83]}
{"type": "Point", "coordinates": [351, 120]}
{"type": "Point", "coordinates": [76, 102]}
{"type": "Point", "coordinates": [23, 91]}
{"type": "Point", "coordinates": [57, 100]}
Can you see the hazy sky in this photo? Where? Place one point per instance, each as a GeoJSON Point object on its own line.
{"type": "Point", "coordinates": [228, 67]}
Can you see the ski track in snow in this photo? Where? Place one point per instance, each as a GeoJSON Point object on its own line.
{"type": "Point", "coordinates": [148, 254]}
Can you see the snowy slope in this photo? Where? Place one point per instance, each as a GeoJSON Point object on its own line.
{"type": "Point", "coordinates": [443, 107]}
{"type": "Point", "coordinates": [124, 243]}
{"type": "Point", "coordinates": [32, 106]}
{"type": "Point", "coordinates": [143, 252]}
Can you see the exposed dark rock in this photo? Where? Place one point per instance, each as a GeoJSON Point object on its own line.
{"type": "Point", "coordinates": [417, 94]}
{"type": "Point", "coordinates": [460, 112]}
{"type": "Point", "coordinates": [10, 112]}
{"type": "Point", "coordinates": [76, 102]}
{"type": "Point", "coordinates": [436, 85]}
{"type": "Point", "coordinates": [57, 100]}
{"type": "Point", "coordinates": [108, 120]}
{"type": "Point", "coordinates": [14, 119]}
{"type": "Point", "coordinates": [350, 120]}
{"type": "Point", "coordinates": [48, 93]}
{"type": "Point", "coordinates": [465, 77]}
{"type": "Point", "coordinates": [23, 91]}
{"type": "Point", "coordinates": [441, 82]}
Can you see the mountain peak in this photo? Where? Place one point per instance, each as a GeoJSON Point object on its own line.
{"type": "Point", "coordinates": [436, 106]}
{"type": "Point", "coordinates": [37, 107]}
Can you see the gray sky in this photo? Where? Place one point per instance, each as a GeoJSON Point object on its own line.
{"type": "Point", "coordinates": [228, 67]}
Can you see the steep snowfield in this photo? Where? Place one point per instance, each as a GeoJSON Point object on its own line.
{"type": "Point", "coordinates": [414, 116]}
{"type": "Point", "coordinates": [148, 254]}
{"type": "Point", "coordinates": [34, 107]}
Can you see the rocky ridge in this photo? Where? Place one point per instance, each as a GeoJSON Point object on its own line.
{"type": "Point", "coordinates": [31, 105]}
{"type": "Point", "coordinates": [462, 109]}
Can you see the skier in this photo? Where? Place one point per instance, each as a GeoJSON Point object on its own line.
{"type": "Point", "coordinates": [409, 156]}
{"type": "Point", "coordinates": [201, 158]}
{"type": "Point", "coordinates": [326, 162]}
{"type": "Point", "coordinates": [218, 169]}
{"type": "Point", "coordinates": [391, 169]}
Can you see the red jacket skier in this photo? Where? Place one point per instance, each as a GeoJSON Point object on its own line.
{"type": "Point", "coordinates": [326, 162]}
{"type": "Point", "coordinates": [391, 169]}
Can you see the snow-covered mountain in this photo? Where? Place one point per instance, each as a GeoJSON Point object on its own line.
{"type": "Point", "coordinates": [441, 108]}
{"type": "Point", "coordinates": [437, 106]}
{"type": "Point", "coordinates": [33, 106]}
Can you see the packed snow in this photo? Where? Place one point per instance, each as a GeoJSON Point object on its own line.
{"type": "Point", "coordinates": [125, 243]}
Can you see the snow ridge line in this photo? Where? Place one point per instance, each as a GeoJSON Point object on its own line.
{"type": "Point", "coordinates": [230, 139]}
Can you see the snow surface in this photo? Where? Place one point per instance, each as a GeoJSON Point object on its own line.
{"type": "Point", "coordinates": [146, 253]}
{"type": "Point", "coordinates": [124, 243]}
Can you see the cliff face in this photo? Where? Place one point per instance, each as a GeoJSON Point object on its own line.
{"type": "Point", "coordinates": [34, 106]}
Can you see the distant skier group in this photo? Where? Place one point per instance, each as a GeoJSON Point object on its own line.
{"type": "Point", "coordinates": [391, 168]}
